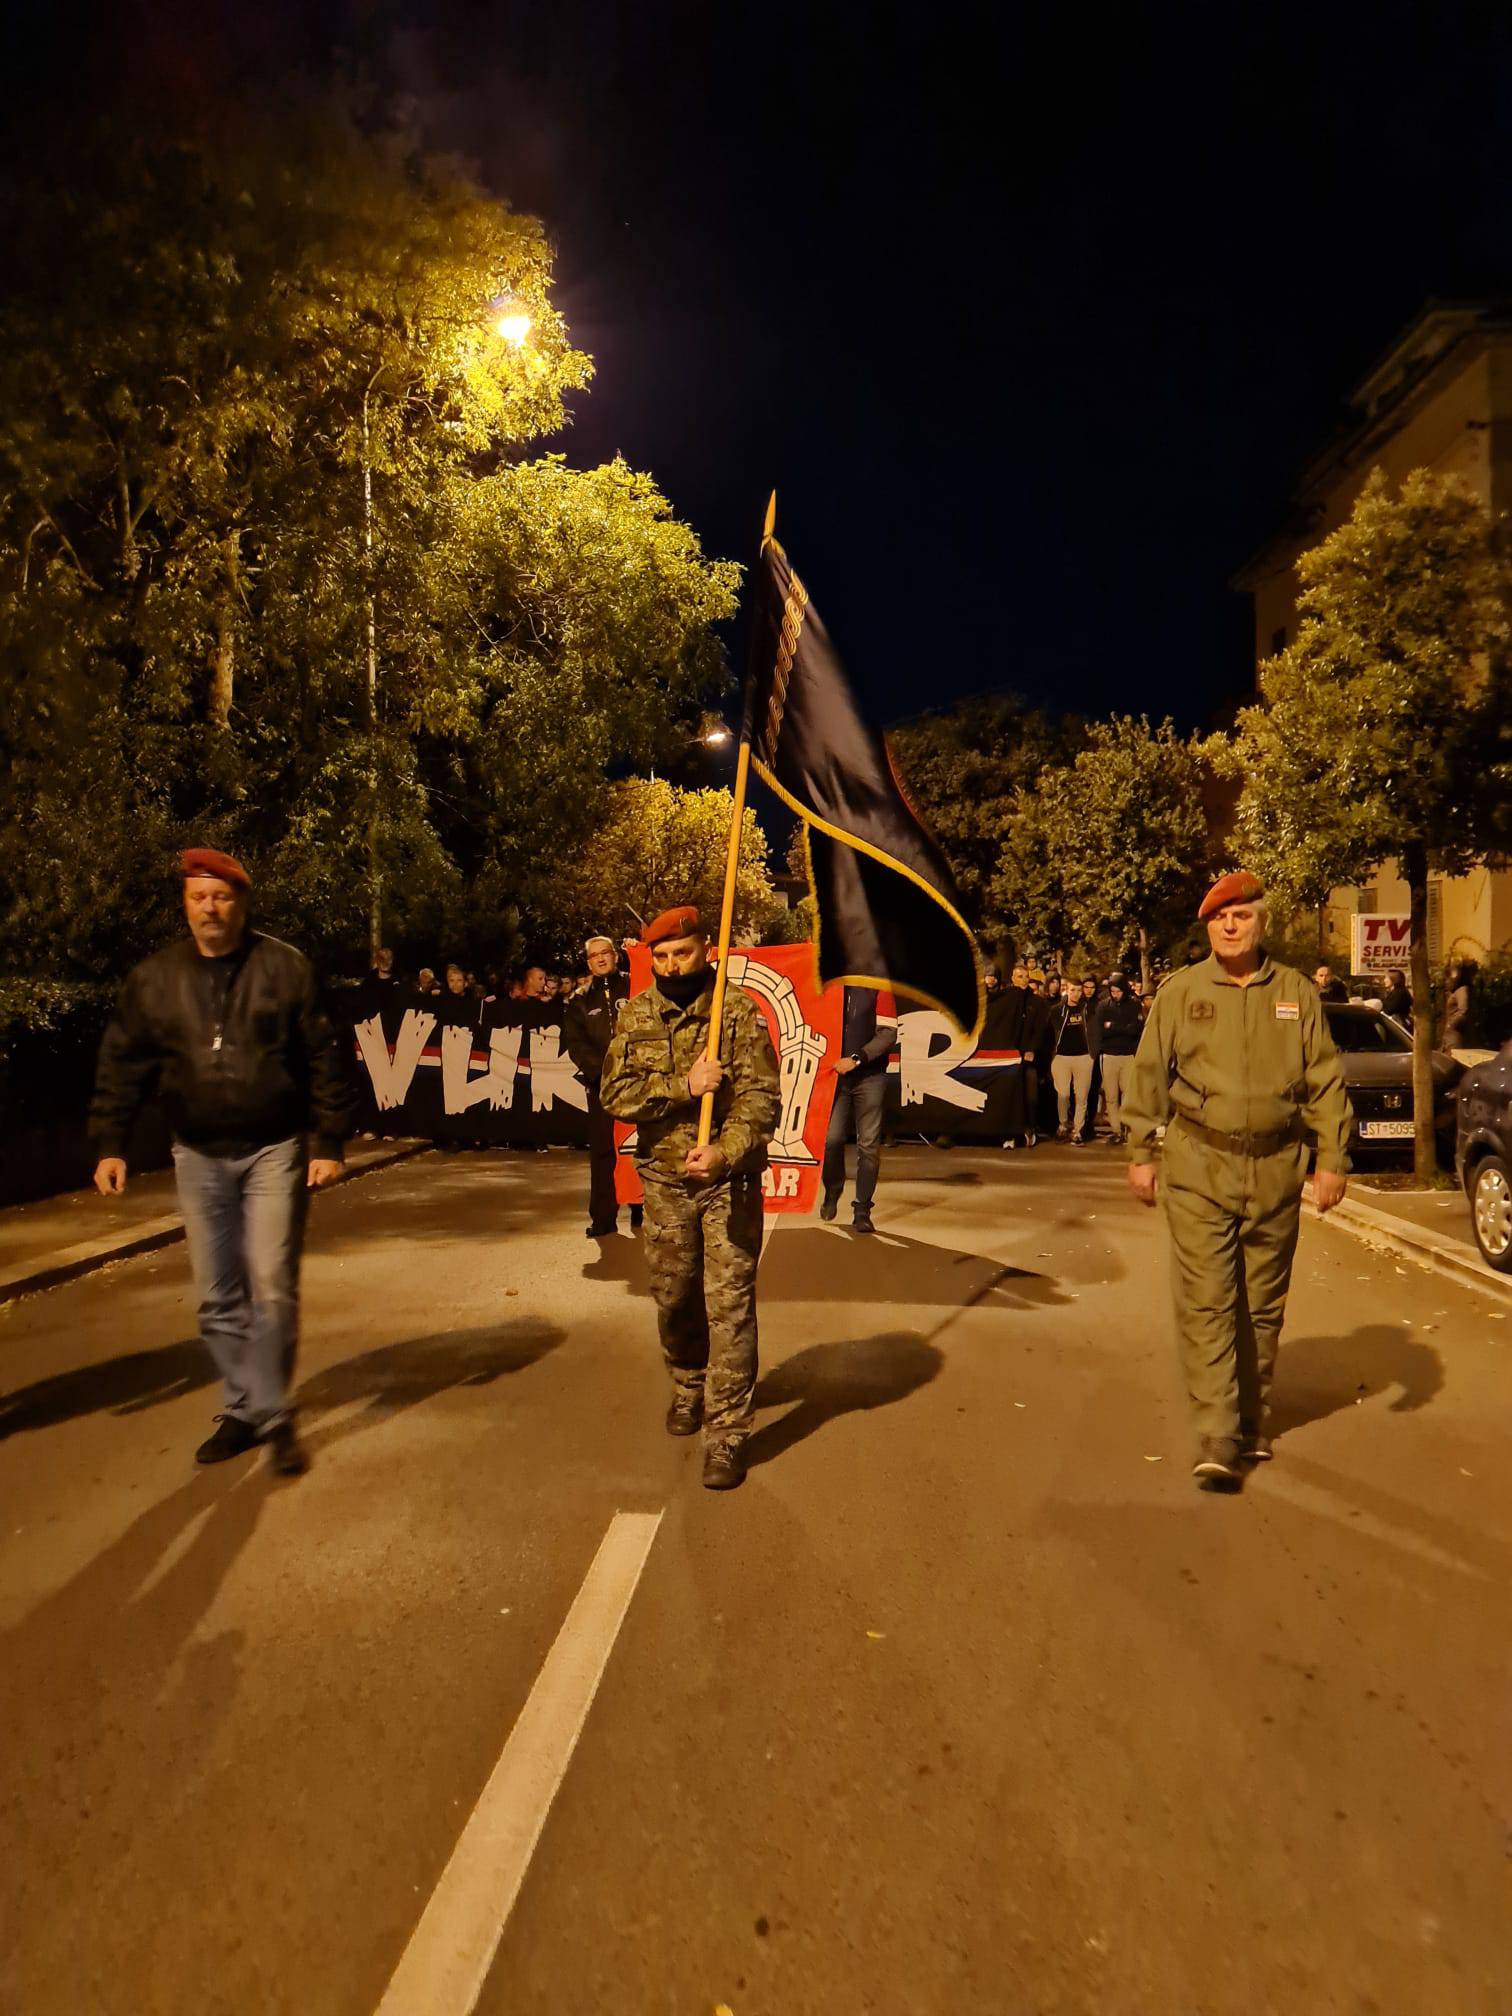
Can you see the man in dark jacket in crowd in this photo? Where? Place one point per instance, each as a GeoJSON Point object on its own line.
{"type": "Point", "coordinates": [1023, 1030]}
{"type": "Point", "coordinates": [1397, 1000]}
{"type": "Point", "coordinates": [587, 1029]}
{"type": "Point", "coordinates": [1116, 1028]}
{"type": "Point", "coordinates": [228, 1029]}
{"type": "Point", "coordinates": [1328, 985]}
{"type": "Point", "coordinates": [869, 1029]}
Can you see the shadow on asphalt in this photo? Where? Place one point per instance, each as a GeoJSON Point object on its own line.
{"type": "Point", "coordinates": [125, 1385]}
{"type": "Point", "coordinates": [828, 1380]}
{"type": "Point", "coordinates": [1317, 1376]}
{"type": "Point", "coordinates": [399, 1376]}
{"type": "Point", "coordinates": [812, 1263]}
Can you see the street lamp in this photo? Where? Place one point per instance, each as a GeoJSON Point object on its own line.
{"type": "Point", "coordinates": [511, 322]}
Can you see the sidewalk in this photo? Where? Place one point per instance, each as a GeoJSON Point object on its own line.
{"type": "Point", "coordinates": [1431, 1227]}
{"type": "Point", "coordinates": [56, 1238]}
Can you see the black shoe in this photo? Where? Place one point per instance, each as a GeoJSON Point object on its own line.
{"type": "Point", "coordinates": [1254, 1448]}
{"type": "Point", "coordinates": [724, 1466]}
{"type": "Point", "coordinates": [830, 1205]}
{"type": "Point", "coordinates": [1217, 1465]}
{"type": "Point", "coordinates": [231, 1438]}
{"type": "Point", "coordinates": [286, 1458]}
{"type": "Point", "coordinates": [685, 1415]}
{"type": "Point", "coordinates": [604, 1230]}
{"type": "Point", "coordinates": [861, 1221]}
{"type": "Point", "coordinates": [637, 1213]}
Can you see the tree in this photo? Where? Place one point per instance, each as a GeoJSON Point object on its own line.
{"type": "Point", "coordinates": [656, 846]}
{"type": "Point", "coordinates": [273, 570]}
{"type": "Point", "coordinates": [965, 768]}
{"type": "Point", "coordinates": [1385, 729]}
{"type": "Point", "coordinates": [1129, 833]}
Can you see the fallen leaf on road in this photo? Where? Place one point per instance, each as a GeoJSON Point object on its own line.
{"type": "Point", "coordinates": [1021, 1403]}
{"type": "Point", "coordinates": [1154, 1459]}
{"type": "Point", "coordinates": [876, 1634]}
{"type": "Point", "coordinates": [511, 1291]}
{"type": "Point", "coordinates": [1466, 1473]}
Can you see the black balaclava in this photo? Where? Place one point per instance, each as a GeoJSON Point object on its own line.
{"type": "Point", "coordinates": [684, 988]}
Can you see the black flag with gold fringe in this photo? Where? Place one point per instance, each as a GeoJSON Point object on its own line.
{"type": "Point", "coordinates": [889, 915]}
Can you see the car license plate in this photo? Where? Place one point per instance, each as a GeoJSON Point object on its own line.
{"type": "Point", "coordinates": [1385, 1130]}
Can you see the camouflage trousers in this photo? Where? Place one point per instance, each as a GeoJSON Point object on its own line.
{"type": "Point", "coordinates": [702, 1242]}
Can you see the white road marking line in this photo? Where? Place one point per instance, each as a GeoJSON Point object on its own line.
{"type": "Point", "coordinates": [443, 1968]}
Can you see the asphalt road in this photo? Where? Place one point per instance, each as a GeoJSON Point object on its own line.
{"type": "Point", "coordinates": [967, 1702]}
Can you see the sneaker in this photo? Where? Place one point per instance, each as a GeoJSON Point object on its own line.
{"type": "Point", "coordinates": [1031, 1139]}
{"type": "Point", "coordinates": [861, 1221]}
{"type": "Point", "coordinates": [1063, 1133]}
{"type": "Point", "coordinates": [1217, 1465]}
{"type": "Point", "coordinates": [685, 1414]}
{"type": "Point", "coordinates": [604, 1230]}
{"type": "Point", "coordinates": [830, 1206]}
{"type": "Point", "coordinates": [724, 1466]}
{"type": "Point", "coordinates": [1255, 1449]}
{"type": "Point", "coordinates": [231, 1438]}
{"type": "Point", "coordinates": [637, 1213]}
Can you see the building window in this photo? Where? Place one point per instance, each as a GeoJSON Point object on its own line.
{"type": "Point", "coordinates": [1278, 641]}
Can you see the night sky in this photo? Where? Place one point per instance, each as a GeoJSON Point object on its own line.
{"type": "Point", "coordinates": [1032, 323]}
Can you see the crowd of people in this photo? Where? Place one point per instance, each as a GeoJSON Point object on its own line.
{"type": "Point", "coordinates": [457, 982]}
{"type": "Point", "coordinates": [1077, 1036]}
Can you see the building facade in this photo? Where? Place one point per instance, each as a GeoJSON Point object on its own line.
{"type": "Point", "coordinates": [1440, 399]}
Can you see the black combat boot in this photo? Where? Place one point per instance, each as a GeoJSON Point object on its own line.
{"type": "Point", "coordinates": [231, 1438]}
{"type": "Point", "coordinates": [685, 1415]}
{"type": "Point", "coordinates": [830, 1206]}
{"type": "Point", "coordinates": [724, 1466]}
{"type": "Point", "coordinates": [861, 1219]}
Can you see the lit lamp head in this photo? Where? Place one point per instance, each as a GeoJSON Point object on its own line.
{"type": "Point", "coordinates": [511, 322]}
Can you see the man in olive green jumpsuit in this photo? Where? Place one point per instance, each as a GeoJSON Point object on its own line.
{"type": "Point", "coordinates": [1237, 1063]}
{"type": "Point", "coordinates": [703, 1205]}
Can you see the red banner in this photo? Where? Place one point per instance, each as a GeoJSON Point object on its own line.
{"type": "Point", "coordinates": [805, 1027]}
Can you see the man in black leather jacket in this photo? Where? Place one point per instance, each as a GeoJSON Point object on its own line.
{"type": "Point", "coordinates": [226, 1028]}
{"type": "Point", "coordinates": [587, 1029]}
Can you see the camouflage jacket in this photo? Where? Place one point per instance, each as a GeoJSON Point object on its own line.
{"type": "Point", "coordinates": [655, 1046]}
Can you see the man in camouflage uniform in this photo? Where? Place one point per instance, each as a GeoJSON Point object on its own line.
{"type": "Point", "coordinates": [1237, 1063]}
{"type": "Point", "coordinates": [703, 1205]}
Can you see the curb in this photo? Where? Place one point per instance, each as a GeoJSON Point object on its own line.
{"type": "Point", "coordinates": [31, 1276]}
{"type": "Point", "coordinates": [1434, 1250]}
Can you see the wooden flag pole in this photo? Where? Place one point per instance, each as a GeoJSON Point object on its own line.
{"type": "Point", "coordinates": [732, 870]}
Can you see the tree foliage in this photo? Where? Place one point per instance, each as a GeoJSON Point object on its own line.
{"type": "Point", "coordinates": [656, 846]}
{"type": "Point", "coordinates": [252, 399]}
{"type": "Point", "coordinates": [964, 768]}
{"type": "Point", "coordinates": [1125, 827]}
{"type": "Point", "coordinates": [1385, 729]}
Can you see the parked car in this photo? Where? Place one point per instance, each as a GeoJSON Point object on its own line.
{"type": "Point", "coordinates": [1483, 1156]}
{"type": "Point", "coordinates": [1376, 1052]}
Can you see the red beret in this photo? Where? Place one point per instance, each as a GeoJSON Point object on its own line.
{"type": "Point", "coordinates": [1239, 887]}
{"type": "Point", "coordinates": [210, 861]}
{"type": "Point", "coordinates": [679, 923]}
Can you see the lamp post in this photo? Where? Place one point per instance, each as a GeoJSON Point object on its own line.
{"type": "Point", "coordinates": [511, 324]}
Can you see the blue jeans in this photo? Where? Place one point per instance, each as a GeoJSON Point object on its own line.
{"type": "Point", "coordinates": [244, 1221]}
{"type": "Point", "coordinates": [858, 1101]}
